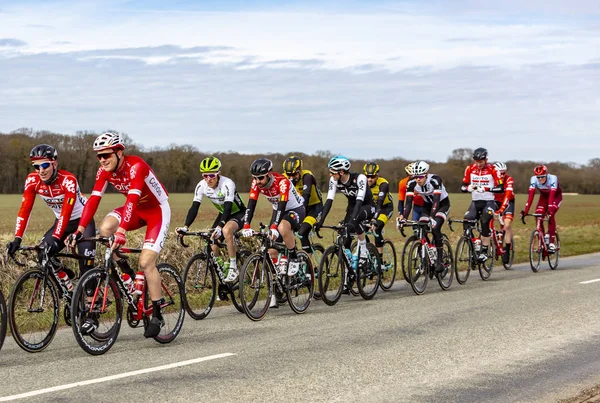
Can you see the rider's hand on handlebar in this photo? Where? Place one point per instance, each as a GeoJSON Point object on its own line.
{"type": "Point", "coordinates": [247, 232]}
{"type": "Point", "coordinates": [181, 230]}
{"type": "Point", "coordinates": [13, 246]}
{"type": "Point", "coordinates": [74, 238]}
{"type": "Point", "coordinates": [120, 240]}
{"type": "Point", "coordinates": [216, 233]}
{"type": "Point", "coordinates": [400, 222]}
{"type": "Point", "coordinates": [274, 232]}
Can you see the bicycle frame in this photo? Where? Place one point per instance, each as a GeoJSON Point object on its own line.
{"type": "Point", "coordinates": [539, 227]}
{"type": "Point", "coordinates": [207, 250]}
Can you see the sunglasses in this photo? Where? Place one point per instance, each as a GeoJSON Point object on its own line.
{"type": "Point", "coordinates": [209, 176]}
{"type": "Point", "coordinates": [371, 176]}
{"type": "Point", "coordinates": [104, 156]}
{"type": "Point", "coordinates": [44, 165]}
{"type": "Point", "coordinates": [539, 177]}
{"type": "Point", "coordinates": [260, 177]}
{"type": "Point", "coordinates": [333, 173]}
{"type": "Point", "coordinates": [419, 176]}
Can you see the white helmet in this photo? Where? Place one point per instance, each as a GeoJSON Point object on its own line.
{"type": "Point", "coordinates": [339, 163]}
{"type": "Point", "coordinates": [109, 140]}
{"type": "Point", "coordinates": [500, 166]}
{"type": "Point", "coordinates": [420, 168]}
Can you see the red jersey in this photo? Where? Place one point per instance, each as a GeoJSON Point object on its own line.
{"type": "Point", "coordinates": [417, 200]}
{"type": "Point", "coordinates": [134, 179]}
{"type": "Point", "coordinates": [62, 196]}
{"type": "Point", "coordinates": [508, 194]}
{"type": "Point", "coordinates": [280, 189]}
{"type": "Point", "coordinates": [487, 177]}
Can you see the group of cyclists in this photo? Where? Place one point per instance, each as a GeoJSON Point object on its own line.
{"type": "Point", "coordinates": [297, 204]}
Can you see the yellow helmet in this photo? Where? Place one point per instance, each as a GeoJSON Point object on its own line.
{"type": "Point", "coordinates": [408, 168]}
{"type": "Point", "coordinates": [292, 164]}
{"type": "Point", "coordinates": [371, 168]}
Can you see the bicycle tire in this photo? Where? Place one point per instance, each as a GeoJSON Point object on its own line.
{"type": "Point", "coordinates": [368, 277]}
{"type": "Point", "coordinates": [332, 272]}
{"type": "Point", "coordinates": [535, 251]}
{"type": "Point", "coordinates": [485, 268]}
{"type": "Point", "coordinates": [463, 259]}
{"type": "Point", "coordinates": [301, 286]}
{"type": "Point", "coordinates": [404, 261]}
{"type": "Point", "coordinates": [33, 330]}
{"type": "Point", "coordinates": [418, 268]}
{"type": "Point", "coordinates": [315, 257]}
{"type": "Point", "coordinates": [255, 289]}
{"type": "Point", "coordinates": [388, 265]}
{"type": "Point", "coordinates": [234, 290]}
{"type": "Point", "coordinates": [554, 258]}
{"type": "Point", "coordinates": [3, 319]}
{"type": "Point", "coordinates": [109, 321]}
{"type": "Point", "coordinates": [445, 278]}
{"type": "Point", "coordinates": [200, 284]}
{"type": "Point", "coordinates": [511, 257]}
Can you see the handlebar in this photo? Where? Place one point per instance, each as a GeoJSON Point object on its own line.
{"type": "Point", "coordinates": [543, 216]}
{"type": "Point", "coordinates": [462, 221]}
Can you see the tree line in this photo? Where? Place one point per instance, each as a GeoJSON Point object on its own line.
{"type": "Point", "coordinates": [177, 165]}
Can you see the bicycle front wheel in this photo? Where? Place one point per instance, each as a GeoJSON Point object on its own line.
{"type": "Point", "coordinates": [315, 257]}
{"type": "Point", "coordinates": [300, 287]}
{"type": "Point", "coordinates": [3, 319]}
{"type": "Point", "coordinates": [33, 311]}
{"type": "Point", "coordinates": [511, 257]}
{"type": "Point", "coordinates": [96, 301]}
{"type": "Point", "coordinates": [418, 268]}
{"type": "Point", "coordinates": [445, 278]}
{"type": "Point", "coordinates": [173, 310]}
{"type": "Point", "coordinates": [388, 265]}
{"type": "Point", "coordinates": [463, 260]}
{"type": "Point", "coordinates": [485, 268]}
{"type": "Point", "coordinates": [368, 276]}
{"type": "Point", "coordinates": [331, 275]}
{"type": "Point", "coordinates": [255, 287]}
{"type": "Point", "coordinates": [404, 259]}
{"type": "Point", "coordinates": [535, 251]}
{"type": "Point", "coordinates": [553, 258]}
{"type": "Point", "coordinates": [200, 283]}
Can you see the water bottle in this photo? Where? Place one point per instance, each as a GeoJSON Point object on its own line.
{"type": "Point", "coordinates": [432, 252]}
{"type": "Point", "coordinates": [348, 253]}
{"type": "Point", "coordinates": [283, 262]}
{"type": "Point", "coordinates": [139, 283]}
{"type": "Point", "coordinates": [500, 237]}
{"type": "Point", "coordinates": [127, 282]}
{"type": "Point", "coordinates": [477, 245]}
{"type": "Point", "coordinates": [62, 275]}
{"type": "Point", "coordinates": [355, 262]}
{"type": "Point", "coordinates": [547, 239]}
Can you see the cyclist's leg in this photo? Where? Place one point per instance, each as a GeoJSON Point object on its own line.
{"type": "Point", "coordinates": [87, 249]}
{"type": "Point", "coordinates": [384, 215]}
{"type": "Point", "coordinates": [552, 218]}
{"type": "Point", "coordinates": [487, 213]}
{"type": "Point", "coordinates": [440, 219]}
{"type": "Point", "coordinates": [312, 216]}
{"type": "Point", "coordinates": [417, 212]}
{"type": "Point", "coordinates": [508, 217]}
{"type": "Point", "coordinates": [471, 214]}
{"type": "Point", "coordinates": [365, 213]}
{"type": "Point", "coordinates": [290, 222]}
{"type": "Point", "coordinates": [234, 223]}
{"type": "Point", "coordinates": [542, 208]}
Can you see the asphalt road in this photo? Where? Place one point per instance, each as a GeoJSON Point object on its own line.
{"type": "Point", "coordinates": [519, 336]}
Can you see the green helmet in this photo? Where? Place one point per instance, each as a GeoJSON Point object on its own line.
{"type": "Point", "coordinates": [210, 164]}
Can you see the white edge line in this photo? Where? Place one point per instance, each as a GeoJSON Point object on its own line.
{"type": "Point", "coordinates": [590, 281]}
{"type": "Point", "coordinates": [113, 377]}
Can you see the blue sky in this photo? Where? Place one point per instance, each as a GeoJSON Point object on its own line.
{"type": "Point", "coordinates": [375, 79]}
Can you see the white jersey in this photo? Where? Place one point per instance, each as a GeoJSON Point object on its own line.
{"type": "Point", "coordinates": [225, 191]}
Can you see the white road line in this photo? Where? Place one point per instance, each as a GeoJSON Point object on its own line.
{"type": "Point", "coordinates": [113, 377]}
{"type": "Point", "coordinates": [590, 281]}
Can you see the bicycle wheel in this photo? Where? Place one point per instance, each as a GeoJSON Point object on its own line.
{"type": "Point", "coordinates": [234, 290]}
{"type": "Point", "coordinates": [255, 289]}
{"type": "Point", "coordinates": [553, 258]}
{"type": "Point", "coordinates": [173, 310]}
{"type": "Point", "coordinates": [511, 257]}
{"type": "Point", "coordinates": [445, 278]}
{"type": "Point", "coordinates": [104, 310]}
{"type": "Point", "coordinates": [332, 270]}
{"type": "Point", "coordinates": [33, 311]}
{"type": "Point", "coordinates": [2, 319]}
{"type": "Point", "coordinates": [463, 260]}
{"type": "Point", "coordinates": [368, 277]}
{"type": "Point", "coordinates": [535, 251]}
{"type": "Point", "coordinates": [301, 286]}
{"type": "Point", "coordinates": [418, 268]}
{"type": "Point", "coordinates": [404, 262]}
{"type": "Point", "coordinates": [315, 257]}
{"type": "Point", "coordinates": [388, 265]}
{"type": "Point", "coordinates": [485, 268]}
{"type": "Point", "coordinates": [200, 283]}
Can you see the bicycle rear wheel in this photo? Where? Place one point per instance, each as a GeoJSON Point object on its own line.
{"type": "Point", "coordinates": [553, 258]}
{"type": "Point", "coordinates": [388, 265]}
{"type": "Point", "coordinates": [368, 277]}
{"type": "Point", "coordinates": [418, 268]}
{"type": "Point", "coordinates": [332, 270]}
{"type": "Point", "coordinates": [255, 287]}
{"type": "Point", "coordinates": [445, 278]}
{"type": "Point", "coordinates": [485, 268]}
{"type": "Point", "coordinates": [173, 310]}
{"type": "Point", "coordinates": [535, 251]}
{"type": "Point", "coordinates": [404, 262]}
{"type": "Point", "coordinates": [200, 283]}
{"type": "Point", "coordinates": [97, 300]}
{"type": "Point", "coordinates": [511, 257]}
{"type": "Point", "coordinates": [3, 319]}
{"type": "Point", "coordinates": [463, 260]}
{"type": "Point", "coordinates": [300, 287]}
{"type": "Point", "coordinates": [33, 311]}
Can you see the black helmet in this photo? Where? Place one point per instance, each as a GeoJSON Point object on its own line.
{"type": "Point", "coordinates": [480, 153]}
{"type": "Point", "coordinates": [43, 151]}
{"type": "Point", "coordinates": [261, 166]}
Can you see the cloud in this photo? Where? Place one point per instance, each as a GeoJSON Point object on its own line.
{"type": "Point", "coordinates": [12, 42]}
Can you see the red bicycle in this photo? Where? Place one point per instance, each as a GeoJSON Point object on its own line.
{"type": "Point", "coordinates": [498, 237]}
{"type": "Point", "coordinates": [538, 244]}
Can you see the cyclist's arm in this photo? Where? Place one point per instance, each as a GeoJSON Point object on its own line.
{"type": "Point", "coordinates": [384, 189]}
{"type": "Point", "coordinates": [330, 196]}
{"type": "Point", "coordinates": [401, 196]}
{"type": "Point", "coordinates": [466, 180]}
{"type": "Point", "coordinates": [229, 190]}
{"type": "Point", "coordinates": [436, 182]}
{"type": "Point", "coordinates": [361, 182]}
{"type": "Point", "coordinates": [94, 200]}
{"type": "Point", "coordinates": [67, 206]}
{"type": "Point", "coordinates": [532, 186]}
{"type": "Point", "coordinates": [252, 198]}
{"type": "Point", "coordinates": [308, 181]}
{"type": "Point", "coordinates": [553, 191]}
{"type": "Point", "coordinates": [508, 194]}
{"type": "Point", "coordinates": [498, 183]}
{"type": "Point", "coordinates": [192, 213]}
{"type": "Point", "coordinates": [25, 210]}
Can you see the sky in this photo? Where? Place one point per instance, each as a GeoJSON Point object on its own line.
{"type": "Point", "coordinates": [366, 79]}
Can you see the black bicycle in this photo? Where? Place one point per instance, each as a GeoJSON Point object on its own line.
{"type": "Point", "coordinates": [204, 278]}
{"type": "Point", "coordinates": [388, 259]}
{"type": "Point", "coordinates": [2, 319]}
{"type": "Point", "coordinates": [260, 280]}
{"type": "Point", "coordinates": [339, 266]}
{"type": "Point", "coordinates": [467, 252]}
{"type": "Point", "coordinates": [33, 303]}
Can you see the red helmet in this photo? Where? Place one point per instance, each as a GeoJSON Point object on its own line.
{"type": "Point", "coordinates": [540, 170]}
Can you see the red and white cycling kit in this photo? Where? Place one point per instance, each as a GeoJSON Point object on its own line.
{"type": "Point", "coordinates": [549, 201]}
{"type": "Point", "coordinates": [487, 178]}
{"type": "Point", "coordinates": [62, 196]}
{"type": "Point", "coordinates": [147, 200]}
{"type": "Point", "coordinates": [506, 201]}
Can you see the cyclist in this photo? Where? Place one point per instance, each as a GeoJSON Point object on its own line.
{"type": "Point", "coordinates": [436, 207]}
{"type": "Point", "coordinates": [482, 180]}
{"type": "Point", "coordinates": [306, 184]}
{"type": "Point", "coordinates": [146, 205]}
{"type": "Point", "coordinates": [505, 206]}
{"type": "Point", "coordinates": [380, 189]}
{"type": "Point", "coordinates": [361, 206]}
{"type": "Point", "coordinates": [288, 210]}
{"type": "Point", "coordinates": [418, 201]}
{"type": "Point", "coordinates": [59, 189]}
{"type": "Point", "coordinates": [549, 201]}
{"type": "Point", "coordinates": [221, 191]}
